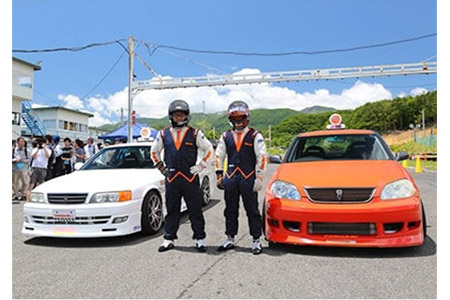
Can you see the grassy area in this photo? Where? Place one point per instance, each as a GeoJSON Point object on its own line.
{"type": "Point", "coordinates": [427, 165]}
{"type": "Point", "coordinates": [413, 148]}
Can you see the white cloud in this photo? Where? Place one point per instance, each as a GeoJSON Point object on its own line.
{"type": "Point", "coordinates": [418, 91]}
{"type": "Point", "coordinates": [71, 101]}
{"type": "Point", "coordinates": [98, 120]}
{"type": "Point", "coordinates": [154, 103]}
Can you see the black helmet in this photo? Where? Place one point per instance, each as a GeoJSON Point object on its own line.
{"type": "Point", "coordinates": [179, 105]}
{"type": "Point", "coordinates": [238, 114]}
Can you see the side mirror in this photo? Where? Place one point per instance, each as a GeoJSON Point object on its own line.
{"type": "Point", "coordinates": [402, 155]}
{"type": "Point", "coordinates": [276, 159]}
{"type": "Point", "coordinates": [78, 166]}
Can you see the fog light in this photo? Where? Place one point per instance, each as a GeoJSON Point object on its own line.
{"type": "Point", "coordinates": [390, 228]}
{"type": "Point", "coordinates": [120, 220]}
{"type": "Point", "coordinates": [292, 226]}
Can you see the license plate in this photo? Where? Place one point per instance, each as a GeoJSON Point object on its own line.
{"type": "Point", "coordinates": [64, 231]}
{"type": "Point", "coordinates": [65, 215]}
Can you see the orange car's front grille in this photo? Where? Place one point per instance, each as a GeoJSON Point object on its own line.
{"type": "Point", "coordinates": [339, 195]}
{"type": "Point", "coordinates": [342, 228]}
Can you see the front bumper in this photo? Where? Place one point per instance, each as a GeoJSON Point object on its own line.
{"type": "Point", "coordinates": [85, 221]}
{"type": "Point", "coordinates": [390, 223]}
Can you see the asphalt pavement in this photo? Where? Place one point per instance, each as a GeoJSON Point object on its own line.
{"type": "Point", "coordinates": [131, 266]}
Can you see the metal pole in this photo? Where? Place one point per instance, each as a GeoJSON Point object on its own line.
{"type": "Point", "coordinates": [423, 123]}
{"type": "Point", "coordinates": [270, 137]}
{"type": "Point", "coordinates": [130, 81]}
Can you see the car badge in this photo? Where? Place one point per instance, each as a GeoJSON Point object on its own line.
{"type": "Point", "coordinates": [66, 199]}
{"type": "Point", "coordinates": [339, 194]}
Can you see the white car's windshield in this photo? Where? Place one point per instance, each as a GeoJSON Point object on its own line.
{"type": "Point", "coordinates": [133, 157]}
{"type": "Point", "coordinates": [338, 147]}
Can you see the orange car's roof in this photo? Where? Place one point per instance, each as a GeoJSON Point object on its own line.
{"type": "Point", "coordinates": [335, 132]}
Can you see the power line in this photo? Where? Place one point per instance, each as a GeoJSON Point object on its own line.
{"type": "Point", "coordinates": [190, 60]}
{"type": "Point", "coordinates": [74, 49]}
{"type": "Point", "coordinates": [106, 75]}
{"type": "Point", "coordinates": [157, 47]}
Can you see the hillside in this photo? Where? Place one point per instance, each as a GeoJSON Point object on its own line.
{"type": "Point", "coordinates": [260, 119]}
{"type": "Point", "coordinates": [383, 116]}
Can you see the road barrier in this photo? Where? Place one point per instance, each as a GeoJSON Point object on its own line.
{"type": "Point", "coordinates": [425, 156]}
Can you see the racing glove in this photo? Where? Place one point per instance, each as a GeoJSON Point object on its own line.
{"type": "Point", "coordinates": [219, 180]}
{"type": "Point", "coordinates": [258, 185]}
{"type": "Point", "coordinates": [163, 169]}
{"type": "Point", "coordinates": [198, 168]}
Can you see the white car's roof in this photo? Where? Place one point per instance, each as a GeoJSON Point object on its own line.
{"type": "Point", "coordinates": [134, 144]}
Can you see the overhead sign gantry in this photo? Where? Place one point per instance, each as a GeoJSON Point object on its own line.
{"type": "Point", "coordinates": [159, 83]}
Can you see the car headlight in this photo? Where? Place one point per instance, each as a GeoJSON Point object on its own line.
{"type": "Point", "coordinates": [36, 198]}
{"type": "Point", "coordinates": [111, 197]}
{"type": "Point", "coordinates": [398, 189]}
{"type": "Point", "coordinates": [282, 189]}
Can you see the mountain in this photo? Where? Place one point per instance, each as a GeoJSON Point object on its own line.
{"type": "Point", "coordinates": [218, 122]}
{"type": "Point", "coordinates": [317, 109]}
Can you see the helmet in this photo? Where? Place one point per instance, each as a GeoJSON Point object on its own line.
{"type": "Point", "coordinates": [179, 105]}
{"type": "Point", "coordinates": [56, 139]}
{"type": "Point", "coordinates": [238, 114]}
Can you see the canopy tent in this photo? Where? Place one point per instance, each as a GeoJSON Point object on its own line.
{"type": "Point", "coordinates": [122, 132]}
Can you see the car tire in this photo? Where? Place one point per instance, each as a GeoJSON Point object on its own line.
{"type": "Point", "coordinates": [152, 217]}
{"type": "Point", "coordinates": [424, 222]}
{"type": "Point", "coordinates": [206, 191]}
{"type": "Point", "coordinates": [263, 219]}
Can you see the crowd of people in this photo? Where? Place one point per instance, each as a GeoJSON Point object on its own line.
{"type": "Point", "coordinates": [48, 158]}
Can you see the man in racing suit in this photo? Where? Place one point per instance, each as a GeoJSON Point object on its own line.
{"type": "Point", "coordinates": [246, 152]}
{"type": "Point", "coordinates": [180, 143]}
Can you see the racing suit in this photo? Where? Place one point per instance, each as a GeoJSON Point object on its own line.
{"type": "Point", "coordinates": [246, 168]}
{"type": "Point", "coordinates": [180, 146]}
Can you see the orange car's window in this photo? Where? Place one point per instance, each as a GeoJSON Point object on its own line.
{"type": "Point", "coordinates": [338, 147]}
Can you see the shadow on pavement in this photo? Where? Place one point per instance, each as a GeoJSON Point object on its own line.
{"type": "Point", "coordinates": [119, 241]}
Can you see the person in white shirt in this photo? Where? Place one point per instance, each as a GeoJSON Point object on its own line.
{"type": "Point", "coordinates": [247, 158]}
{"type": "Point", "coordinates": [180, 143]}
{"type": "Point", "coordinates": [90, 148]}
{"type": "Point", "coordinates": [39, 156]}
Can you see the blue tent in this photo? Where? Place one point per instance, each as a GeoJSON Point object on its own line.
{"type": "Point", "coordinates": [122, 132]}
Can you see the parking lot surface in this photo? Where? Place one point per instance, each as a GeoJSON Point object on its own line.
{"type": "Point", "coordinates": [131, 266]}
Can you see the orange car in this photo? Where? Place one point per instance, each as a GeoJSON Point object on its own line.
{"type": "Point", "coordinates": [342, 187]}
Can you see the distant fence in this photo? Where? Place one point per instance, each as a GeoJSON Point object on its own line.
{"type": "Point", "coordinates": [429, 140]}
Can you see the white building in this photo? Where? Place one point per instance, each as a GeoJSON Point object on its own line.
{"type": "Point", "coordinates": [64, 122]}
{"type": "Point", "coordinates": [22, 90]}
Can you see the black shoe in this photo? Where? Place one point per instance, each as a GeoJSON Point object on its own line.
{"type": "Point", "coordinates": [228, 244]}
{"type": "Point", "coordinates": [167, 245]}
{"type": "Point", "coordinates": [200, 245]}
{"type": "Point", "coordinates": [256, 247]}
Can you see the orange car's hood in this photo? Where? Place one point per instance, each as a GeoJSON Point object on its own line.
{"type": "Point", "coordinates": [366, 173]}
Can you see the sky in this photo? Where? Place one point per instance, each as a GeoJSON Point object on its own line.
{"type": "Point", "coordinates": [96, 79]}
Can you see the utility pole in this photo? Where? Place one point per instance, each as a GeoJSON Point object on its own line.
{"type": "Point", "coordinates": [423, 123]}
{"type": "Point", "coordinates": [204, 117]}
{"type": "Point", "coordinates": [121, 115]}
{"type": "Point", "coordinates": [270, 138]}
{"type": "Point", "coordinates": [130, 82]}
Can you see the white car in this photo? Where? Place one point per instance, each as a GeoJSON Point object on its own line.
{"type": "Point", "coordinates": [116, 192]}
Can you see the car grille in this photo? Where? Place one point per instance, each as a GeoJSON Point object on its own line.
{"type": "Point", "coordinates": [338, 195]}
{"type": "Point", "coordinates": [67, 198]}
{"type": "Point", "coordinates": [91, 220]}
{"type": "Point", "coordinates": [342, 228]}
